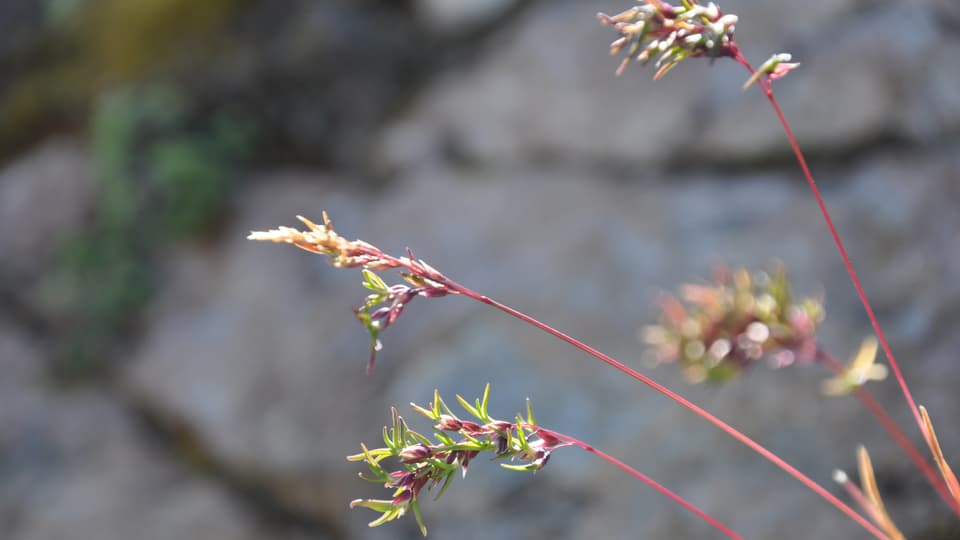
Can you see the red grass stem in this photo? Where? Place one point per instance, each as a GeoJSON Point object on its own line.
{"type": "Point", "coordinates": [894, 366]}
{"type": "Point", "coordinates": [868, 401]}
{"type": "Point", "coordinates": [857, 495]}
{"type": "Point", "coordinates": [895, 432]}
{"type": "Point", "coordinates": [723, 426]}
{"type": "Point", "coordinates": [647, 480]}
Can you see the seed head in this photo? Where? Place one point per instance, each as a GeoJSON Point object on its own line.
{"type": "Point", "coordinates": [671, 33]}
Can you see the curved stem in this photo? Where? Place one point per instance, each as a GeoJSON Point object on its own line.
{"type": "Point", "coordinates": [646, 479]}
{"type": "Point", "coordinates": [901, 439]}
{"type": "Point", "coordinates": [703, 413]}
{"type": "Point", "coordinates": [802, 162]}
{"type": "Point", "coordinates": [894, 431]}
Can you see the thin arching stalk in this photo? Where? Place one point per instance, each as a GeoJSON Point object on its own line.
{"type": "Point", "coordinates": [647, 480]}
{"type": "Point", "coordinates": [877, 410]}
{"type": "Point", "coordinates": [429, 282]}
{"type": "Point", "coordinates": [703, 413]}
{"type": "Point", "coordinates": [767, 90]}
{"type": "Point", "coordinates": [934, 480]}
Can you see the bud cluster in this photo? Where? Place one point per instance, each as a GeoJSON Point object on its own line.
{"type": "Point", "coordinates": [716, 331]}
{"type": "Point", "coordinates": [426, 463]}
{"type": "Point", "coordinates": [671, 33]}
{"type": "Point", "coordinates": [385, 304]}
{"type": "Point", "coordinates": [324, 240]}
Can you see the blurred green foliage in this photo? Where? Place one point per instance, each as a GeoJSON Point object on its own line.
{"type": "Point", "coordinates": [125, 40]}
{"type": "Point", "coordinates": [160, 176]}
{"type": "Point", "coordinates": [86, 47]}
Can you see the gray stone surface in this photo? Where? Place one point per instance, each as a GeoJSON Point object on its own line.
{"type": "Point", "coordinates": [44, 196]}
{"type": "Point", "coordinates": [853, 87]}
{"type": "Point", "coordinates": [448, 16]}
{"type": "Point", "coordinates": [73, 465]}
{"type": "Point", "coordinates": [547, 89]}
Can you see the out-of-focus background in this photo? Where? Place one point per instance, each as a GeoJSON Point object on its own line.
{"type": "Point", "coordinates": [162, 377]}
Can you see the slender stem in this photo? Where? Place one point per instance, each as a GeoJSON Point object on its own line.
{"type": "Point", "coordinates": [865, 398]}
{"type": "Point", "coordinates": [894, 366]}
{"type": "Point", "coordinates": [857, 495]}
{"type": "Point", "coordinates": [723, 426]}
{"type": "Point", "coordinates": [894, 431]}
{"type": "Point", "coordinates": [647, 480]}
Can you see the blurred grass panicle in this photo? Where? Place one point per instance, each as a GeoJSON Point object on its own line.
{"type": "Point", "coordinates": [714, 332]}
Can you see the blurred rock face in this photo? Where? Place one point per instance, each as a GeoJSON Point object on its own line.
{"type": "Point", "coordinates": [43, 197]}
{"type": "Point", "coordinates": [534, 176]}
{"type": "Point", "coordinates": [313, 76]}
{"type": "Point", "coordinates": [447, 16]}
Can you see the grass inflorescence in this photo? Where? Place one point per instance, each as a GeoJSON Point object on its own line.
{"type": "Point", "coordinates": [713, 332]}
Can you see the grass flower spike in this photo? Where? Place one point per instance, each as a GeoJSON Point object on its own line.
{"type": "Point", "coordinates": [425, 463]}
{"type": "Point", "coordinates": [862, 368]}
{"type": "Point", "coordinates": [671, 34]}
{"type": "Point", "coordinates": [714, 332]}
{"type": "Point", "coordinates": [428, 464]}
{"type": "Point", "coordinates": [385, 303]}
{"type": "Point", "coordinates": [776, 67]}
